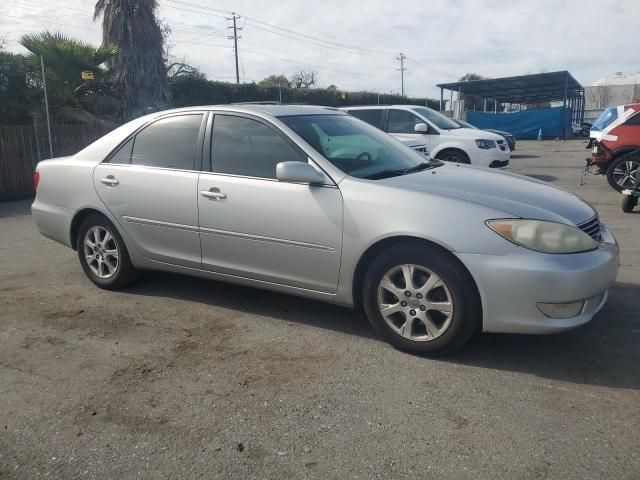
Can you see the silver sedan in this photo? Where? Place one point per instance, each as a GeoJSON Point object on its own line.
{"type": "Point", "coordinates": [313, 202]}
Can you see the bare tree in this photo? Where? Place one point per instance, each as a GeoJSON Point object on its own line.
{"type": "Point", "coordinates": [599, 96]}
{"type": "Point", "coordinates": [304, 79]}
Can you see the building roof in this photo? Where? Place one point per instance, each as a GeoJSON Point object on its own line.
{"type": "Point", "coordinates": [618, 79]}
{"type": "Point", "coordinates": [540, 87]}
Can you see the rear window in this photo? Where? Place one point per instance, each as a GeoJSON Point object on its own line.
{"type": "Point", "coordinates": [605, 119]}
{"type": "Point", "coordinates": [371, 116]}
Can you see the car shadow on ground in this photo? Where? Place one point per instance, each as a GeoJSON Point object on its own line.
{"type": "Point", "coordinates": [604, 352]}
{"type": "Point", "coordinates": [523, 156]}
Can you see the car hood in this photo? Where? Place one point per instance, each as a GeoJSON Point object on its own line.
{"type": "Point", "coordinates": [516, 195]}
{"type": "Point", "coordinates": [473, 133]}
{"type": "Point", "coordinates": [500, 132]}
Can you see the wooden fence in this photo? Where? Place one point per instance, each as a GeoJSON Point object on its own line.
{"type": "Point", "coordinates": [23, 146]}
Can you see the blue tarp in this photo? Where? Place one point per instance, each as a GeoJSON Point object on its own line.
{"type": "Point", "coordinates": [525, 125]}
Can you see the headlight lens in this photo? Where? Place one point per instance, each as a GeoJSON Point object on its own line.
{"type": "Point", "coordinates": [542, 236]}
{"type": "Point", "coordinates": [486, 144]}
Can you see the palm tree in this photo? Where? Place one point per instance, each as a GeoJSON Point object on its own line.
{"type": "Point", "coordinates": [138, 70]}
{"type": "Point", "coordinates": [65, 58]}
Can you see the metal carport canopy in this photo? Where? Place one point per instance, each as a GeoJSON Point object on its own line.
{"type": "Point", "coordinates": [540, 87]}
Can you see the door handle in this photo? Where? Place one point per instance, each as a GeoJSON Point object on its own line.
{"type": "Point", "coordinates": [110, 181]}
{"type": "Point", "coordinates": [214, 194]}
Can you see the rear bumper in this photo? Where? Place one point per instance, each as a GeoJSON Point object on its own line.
{"type": "Point", "coordinates": [511, 286]}
{"type": "Point", "coordinates": [52, 221]}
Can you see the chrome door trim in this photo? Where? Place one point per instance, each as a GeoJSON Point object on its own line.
{"type": "Point", "coordinates": [281, 241]}
{"type": "Point", "coordinates": [158, 223]}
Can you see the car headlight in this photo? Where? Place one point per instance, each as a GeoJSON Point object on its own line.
{"type": "Point", "coordinates": [543, 236]}
{"type": "Point", "coordinates": [486, 144]}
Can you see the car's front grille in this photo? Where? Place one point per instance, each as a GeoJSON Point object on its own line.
{"type": "Point", "coordinates": [592, 228]}
{"type": "Point", "coordinates": [499, 164]}
{"type": "Point", "coordinates": [501, 144]}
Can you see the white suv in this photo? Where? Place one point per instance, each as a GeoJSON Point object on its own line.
{"type": "Point", "coordinates": [445, 139]}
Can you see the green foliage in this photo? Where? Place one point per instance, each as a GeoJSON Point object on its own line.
{"type": "Point", "coordinates": [65, 58]}
{"type": "Point", "coordinates": [196, 91]}
{"type": "Point", "coordinates": [18, 98]}
{"type": "Point", "coordinates": [274, 81]}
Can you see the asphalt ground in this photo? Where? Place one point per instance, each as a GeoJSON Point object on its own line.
{"type": "Point", "coordinates": [179, 377]}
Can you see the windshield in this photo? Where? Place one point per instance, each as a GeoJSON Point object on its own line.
{"type": "Point", "coordinates": [355, 147]}
{"type": "Point", "coordinates": [464, 124]}
{"type": "Point", "coordinates": [437, 118]}
{"type": "Point", "coordinates": [605, 119]}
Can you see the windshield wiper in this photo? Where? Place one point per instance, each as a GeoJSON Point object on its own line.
{"type": "Point", "coordinates": [421, 166]}
{"type": "Point", "coordinates": [403, 171]}
{"type": "Point", "coordinates": [384, 174]}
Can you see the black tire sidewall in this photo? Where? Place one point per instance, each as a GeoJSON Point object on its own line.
{"type": "Point", "coordinates": [462, 157]}
{"type": "Point", "coordinates": [467, 311]}
{"type": "Point", "coordinates": [124, 271]}
{"type": "Point", "coordinates": [629, 202]}
{"type": "Point", "coordinates": [610, 168]}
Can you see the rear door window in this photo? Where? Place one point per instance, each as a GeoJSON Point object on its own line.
{"type": "Point", "coordinates": [371, 116]}
{"type": "Point", "coordinates": [168, 143]}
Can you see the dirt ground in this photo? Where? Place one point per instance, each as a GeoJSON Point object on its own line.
{"type": "Point", "coordinates": [185, 378]}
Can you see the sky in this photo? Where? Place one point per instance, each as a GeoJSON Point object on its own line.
{"type": "Point", "coordinates": [354, 44]}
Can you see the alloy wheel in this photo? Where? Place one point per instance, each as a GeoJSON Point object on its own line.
{"type": "Point", "coordinates": [626, 173]}
{"type": "Point", "coordinates": [101, 252]}
{"type": "Point", "coordinates": [415, 302]}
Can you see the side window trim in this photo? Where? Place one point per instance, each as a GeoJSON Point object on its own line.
{"type": "Point", "coordinates": [415, 116]}
{"type": "Point", "coordinates": [198, 152]}
{"type": "Point", "coordinates": [273, 128]}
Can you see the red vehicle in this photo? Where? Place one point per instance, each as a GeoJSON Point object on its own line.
{"type": "Point", "coordinates": [615, 140]}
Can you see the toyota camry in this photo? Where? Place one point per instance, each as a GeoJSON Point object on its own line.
{"type": "Point", "coordinates": [313, 202]}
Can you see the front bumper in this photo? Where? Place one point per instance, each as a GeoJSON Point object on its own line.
{"type": "Point", "coordinates": [511, 285]}
{"type": "Point", "coordinates": [489, 157]}
{"type": "Point", "coordinates": [499, 164]}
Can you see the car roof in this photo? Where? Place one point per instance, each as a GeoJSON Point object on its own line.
{"type": "Point", "coordinates": [368, 107]}
{"type": "Point", "coordinates": [276, 110]}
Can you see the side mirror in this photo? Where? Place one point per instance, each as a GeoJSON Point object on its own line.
{"type": "Point", "coordinates": [298, 172]}
{"type": "Point", "coordinates": [421, 128]}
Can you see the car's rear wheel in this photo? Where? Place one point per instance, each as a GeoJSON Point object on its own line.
{"type": "Point", "coordinates": [420, 299]}
{"type": "Point", "coordinates": [454, 156]}
{"type": "Point", "coordinates": [103, 255]}
{"type": "Point", "coordinates": [629, 202]}
{"type": "Point", "coordinates": [624, 171]}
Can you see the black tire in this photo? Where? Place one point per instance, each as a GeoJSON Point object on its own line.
{"type": "Point", "coordinates": [124, 272]}
{"type": "Point", "coordinates": [616, 162]}
{"type": "Point", "coordinates": [467, 310]}
{"type": "Point", "coordinates": [629, 202]}
{"type": "Point", "coordinates": [453, 156]}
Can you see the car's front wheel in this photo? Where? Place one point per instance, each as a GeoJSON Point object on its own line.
{"type": "Point", "coordinates": [624, 171]}
{"type": "Point", "coordinates": [103, 255]}
{"type": "Point", "coordinates": [453, 156]}
{"type": "Point", "coordinates": [420, 299]}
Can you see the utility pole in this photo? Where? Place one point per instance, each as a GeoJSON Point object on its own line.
{"type": "Point", "coordinates": [46, 105]}
{"type": "Point", "coordinates": [235, 38]}
{"type": "Point", "coordinates": [402, 58]}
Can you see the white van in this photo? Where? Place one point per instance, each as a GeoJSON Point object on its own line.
{"type": "Point", "coordinates": [445, 139]}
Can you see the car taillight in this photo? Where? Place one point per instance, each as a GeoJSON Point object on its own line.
{"type": "Point", "coordinates": [36, 180]}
